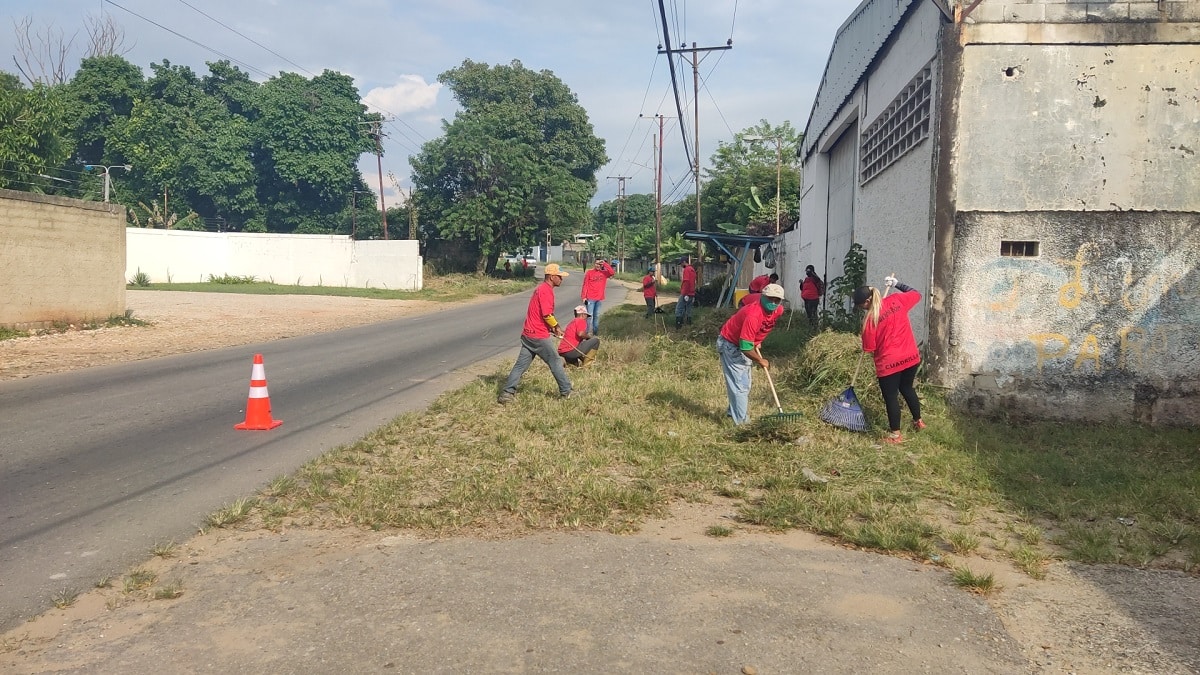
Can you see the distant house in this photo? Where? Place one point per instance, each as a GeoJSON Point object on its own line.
{"type": "Point", "coordinates": [1032, 168]}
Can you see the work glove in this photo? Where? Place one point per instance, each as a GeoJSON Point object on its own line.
{"type": "Point", "coordinates": [889, 281]}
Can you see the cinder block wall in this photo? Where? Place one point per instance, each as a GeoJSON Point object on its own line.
{"type": "Point", "coordinates": [60, 260]}
{"type": "Point", "coordinates": [1066, 11]}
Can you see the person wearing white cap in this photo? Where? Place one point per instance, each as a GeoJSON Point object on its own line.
{"type": "Point", "coordinates": [536, 339]}
{"type": "Point", "coordinates": [738, 347]}
{"type": "Point", "coordinates": [578, 346]}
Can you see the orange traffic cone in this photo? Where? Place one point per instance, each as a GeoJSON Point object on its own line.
{"type": "Point", "coordinates": [258, 406]}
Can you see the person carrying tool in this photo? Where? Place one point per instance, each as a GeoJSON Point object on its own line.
{"type": "Point", "coordinates": [687, 294]}
{"type": "Point", "coordinates": [578, 346]}
{"type": "Point", "coordinates": [810, 292]}
{"type": "Point", "coordinates": [594, 282]}
{"type": "Point", "coordinates": [536, 339]}
{"type": "Point", "coordinates": [738, 347]}
{"type": "Point", "coordinates": [650, 292]}
{"type": "Point", "coordinates": [887, 334]}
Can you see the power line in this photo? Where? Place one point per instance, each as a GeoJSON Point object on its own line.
{"type": "Point", "coordinates": [662, 9]}
{"type": "Point", "coordinates": [234, 31]}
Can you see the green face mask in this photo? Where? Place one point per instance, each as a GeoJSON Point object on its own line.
{"type": "Point", "coordinates": [767, 304]}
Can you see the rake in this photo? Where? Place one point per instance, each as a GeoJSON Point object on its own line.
{"type": "Point", "coordinates": [780, 416]}
{"type": "Point", "coordinates": [844, 410]}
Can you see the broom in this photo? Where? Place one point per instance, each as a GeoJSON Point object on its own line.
{"type": "Point", "coordinates": [845, 411]}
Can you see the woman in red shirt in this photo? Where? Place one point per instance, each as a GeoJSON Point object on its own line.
{"type": "Point", "coordinates": [888, 335]}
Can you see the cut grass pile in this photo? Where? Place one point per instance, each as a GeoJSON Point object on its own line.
{"type": "Point", "coordinates": [649, 428]}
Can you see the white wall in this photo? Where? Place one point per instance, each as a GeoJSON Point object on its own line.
{"type": "Point", "coordinates": [182, 256]}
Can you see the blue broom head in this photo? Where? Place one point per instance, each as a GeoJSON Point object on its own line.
{"type": "Point", "coordinates": [845, 412]}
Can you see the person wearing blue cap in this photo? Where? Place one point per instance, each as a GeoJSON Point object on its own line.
{"type": "Point", "coordinates": [650, 292]}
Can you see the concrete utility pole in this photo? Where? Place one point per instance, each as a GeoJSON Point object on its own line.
{"type": "Point", "coordinates": [620, 216]}
{"type": "Point", "coordinates": [106, 173]}
{"type": "Point", "coordinates": [376, 132]}
{"type": "Point", "coordinates": [778, 170]}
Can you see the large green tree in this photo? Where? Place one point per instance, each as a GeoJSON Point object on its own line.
{"type": "Point", "coordinates": [738, 194]}
{"type": "Point", "coordinates": [518, 161]}
{"type": "Point", "coordinates": [101, 95]}
{"type": "Point", "coordinates": [34, 133]}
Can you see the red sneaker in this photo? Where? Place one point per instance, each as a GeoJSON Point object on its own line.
{"type": "Point", "coordinates": [893, 438]}
{"type": "Point", "coordinates": [918, 425]}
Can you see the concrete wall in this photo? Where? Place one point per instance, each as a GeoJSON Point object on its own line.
{"type": "Point", "coordinates": [1104, 324]}
{"type": "Point", "coordinates": [294, 259]}
{"type": "Point", "coordinates": [1063, 11]}
{"type": "Point", "coordinates": [60, 260]}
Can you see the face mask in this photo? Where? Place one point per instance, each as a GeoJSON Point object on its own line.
{"type": "Point", "coordinates": [768, 305]}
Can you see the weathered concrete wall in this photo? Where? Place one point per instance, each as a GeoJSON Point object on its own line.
{"type": "Point", "coordinates": [1104, 324]}
{"type": "Point", "coordinates": [300, 259]}
{"type": "Point", "coordinates": [60, 260]}
{"type": "Point", "coordinates": [1064, 11]}
{"type": "Point", "coordinates": [1079, 128]}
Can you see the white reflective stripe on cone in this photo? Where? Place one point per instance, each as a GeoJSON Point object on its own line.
{"type": "Point", "coordinates": [258, 372]}
{"type": "Point", "coordinates": [258, 392]}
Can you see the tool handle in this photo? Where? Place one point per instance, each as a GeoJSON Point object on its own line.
{"type": "Point", "coordinates": [770, 381]}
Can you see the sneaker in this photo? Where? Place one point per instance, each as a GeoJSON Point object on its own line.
{"type": "Point", "coordinates": [505, 397]}
{"type": "Point", "coordinates": [574, 393]}
{"type": "Point", "coordinates": [918, 425]}
{"type": "Point", "coordinates": [894, 438]}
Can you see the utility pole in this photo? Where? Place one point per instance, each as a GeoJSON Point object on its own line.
{"type": "Point", "coordinates": [620, 216]}
{"type": "Point", "coordinates": [658, 206]}
{"type": "Point", "coordinates": [412, 214]}
{"type": "Point", "coordinates": [107, 174]}
{"type": "Point", "coordinates": [376, 132]}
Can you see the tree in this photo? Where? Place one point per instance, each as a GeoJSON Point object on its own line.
{"type": "Point", "coordinates": [34, 134]}
{"type": "Point", "coordinates": [742, 168]}
{"type": "Point", "coordinates": [518, 161]}
{"type": "Point", "coordinates": [100, 96]}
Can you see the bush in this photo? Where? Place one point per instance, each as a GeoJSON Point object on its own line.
{"type": "Point", "coordinates": [141, 279]}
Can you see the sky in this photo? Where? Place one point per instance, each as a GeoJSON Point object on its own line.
{"type": "Point", "coordinates": [605, 51]}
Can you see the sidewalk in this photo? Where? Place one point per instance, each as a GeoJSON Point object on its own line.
{"type": "Point", "coordinates": [668, 600]}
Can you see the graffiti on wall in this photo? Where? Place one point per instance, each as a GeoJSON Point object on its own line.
{"type": "Point", "coordinates": [1092, 314]}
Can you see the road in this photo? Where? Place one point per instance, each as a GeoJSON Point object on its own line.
{"type": "Point", "coordinates": [97, 466]}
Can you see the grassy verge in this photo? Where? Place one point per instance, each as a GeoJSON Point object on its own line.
{"type": "Point", "coordinates": [650, 429]}
{"type": "Point", "coordinates": [65, 326]}
{"type": "Point", "coordinates": [445, 288]}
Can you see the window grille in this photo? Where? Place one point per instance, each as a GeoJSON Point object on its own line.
{"type": "Point", "coordinates": [900, 127]}
{"type": "Point", "coordinates": [1018, 249]}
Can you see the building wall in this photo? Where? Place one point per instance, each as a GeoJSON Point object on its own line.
{"type": "Point", "coordinates": [293, 259]}
{"type": "Point", "coordinates": [1087, 152]}
{"type": "Point", "coordinates": [61, 260]}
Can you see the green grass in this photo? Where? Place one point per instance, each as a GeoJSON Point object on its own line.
{"type": "Point", "coordinates": [978, 583]}
{"type": "Point", "coordinates": [126, 319]}
{"type": "Point", "coordinates": [650, 430]}
{"type": "Point", "coordinates": [443, 288]}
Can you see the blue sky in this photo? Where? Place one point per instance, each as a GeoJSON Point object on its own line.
{"type": "Point", "coordinates": [606, 51]}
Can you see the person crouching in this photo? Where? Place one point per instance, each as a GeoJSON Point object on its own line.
{"type": "Point", "coordinates": [578, 346]}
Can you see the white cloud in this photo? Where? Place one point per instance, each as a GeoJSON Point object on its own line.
{"type": "Point", "coordinates": [410, 94]}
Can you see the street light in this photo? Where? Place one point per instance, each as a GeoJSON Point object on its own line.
{"type": "Point", "coordinates": [107, 178]}
{"type": "Point", "coordinates": [778, 170]}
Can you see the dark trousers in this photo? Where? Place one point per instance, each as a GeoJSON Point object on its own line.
{"type": "Point", "coordinates": [577, 353]}
{"type": "Point", "coordinates": [893, 387]}
{"type": "Point", "coordinates": [810, 308]}
{"type": "Point", "coordinates": [651, 305]}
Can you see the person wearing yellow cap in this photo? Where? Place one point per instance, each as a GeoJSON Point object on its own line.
{"type": "Point", "coordinates": [738, 347]}
{"type": "Point", "coordinates": [578, 346]}
{"type": "Point", "coordinates": [537, 337]}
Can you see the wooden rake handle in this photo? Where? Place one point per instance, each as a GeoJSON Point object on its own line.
{"type": "Point", "coordinates": [770, 381]}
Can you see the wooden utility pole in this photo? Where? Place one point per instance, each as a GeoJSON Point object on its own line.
{"type": "Point", "coordinates": [379, 164]}
{"type": "Point", "coordinates": [658, 205]}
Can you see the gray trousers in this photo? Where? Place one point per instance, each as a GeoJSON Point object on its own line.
{"type": "Point", "coordinates": [546, 350]}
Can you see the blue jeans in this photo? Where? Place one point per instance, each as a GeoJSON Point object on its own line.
{"type": "Point", "coordinates": [683, 309]}
{"type": "Point", "coordinates": [736, 367]}
{"type": "Point", "coordinates": [593, 322]}
{"type": "Point", "coordinates": [546, 350]}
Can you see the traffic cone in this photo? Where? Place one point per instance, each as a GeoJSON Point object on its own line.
{"type": "Point", "coordinates": [258, 405]}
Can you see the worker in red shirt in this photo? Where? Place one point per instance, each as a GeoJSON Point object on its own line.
{"type": "Point", "coordinates": [755, 288]}
{"type": "Point", "coordinates": [650, 292]}
{"type": "Point", "coordinates": [594, 282]}
{"type": "Point", "coordinates": [810, 292]}
{"type": "Point", "coordinates": [887, 334]}
{"type": "Point", "coordinates": [578, 346]}
{"type": "Point", "coordinates": [738, 347]}
{"type": "Point", "coordinates": [687, 294]}
{"type": "Point", "coordinates": [536, 339]}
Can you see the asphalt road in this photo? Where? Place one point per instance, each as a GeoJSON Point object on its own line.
{"type": "Point", "coordinates": [99, 465]}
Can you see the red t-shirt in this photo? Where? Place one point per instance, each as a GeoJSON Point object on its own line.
{"type": "Point", "coordinates": [892, 339]}
{"type": "Point", "coordinates": [687, 281]}
{"type": "Point", "coordinates": [541, 304]}
{"type": "Point", "coordinates": [810, 289]}
{"type": "Point", "coordinates": [574, 332]}
{"type": "Point", "coordinates": [758, 283]}
{"type": "Point", "coordinates": [594, 281]}
{"type": "Point", "coordinates": [649, 290]}
{"type": "Point", "coordinates": [751, 323]}
{"type": "Point", "coordinates": [749, 298]}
